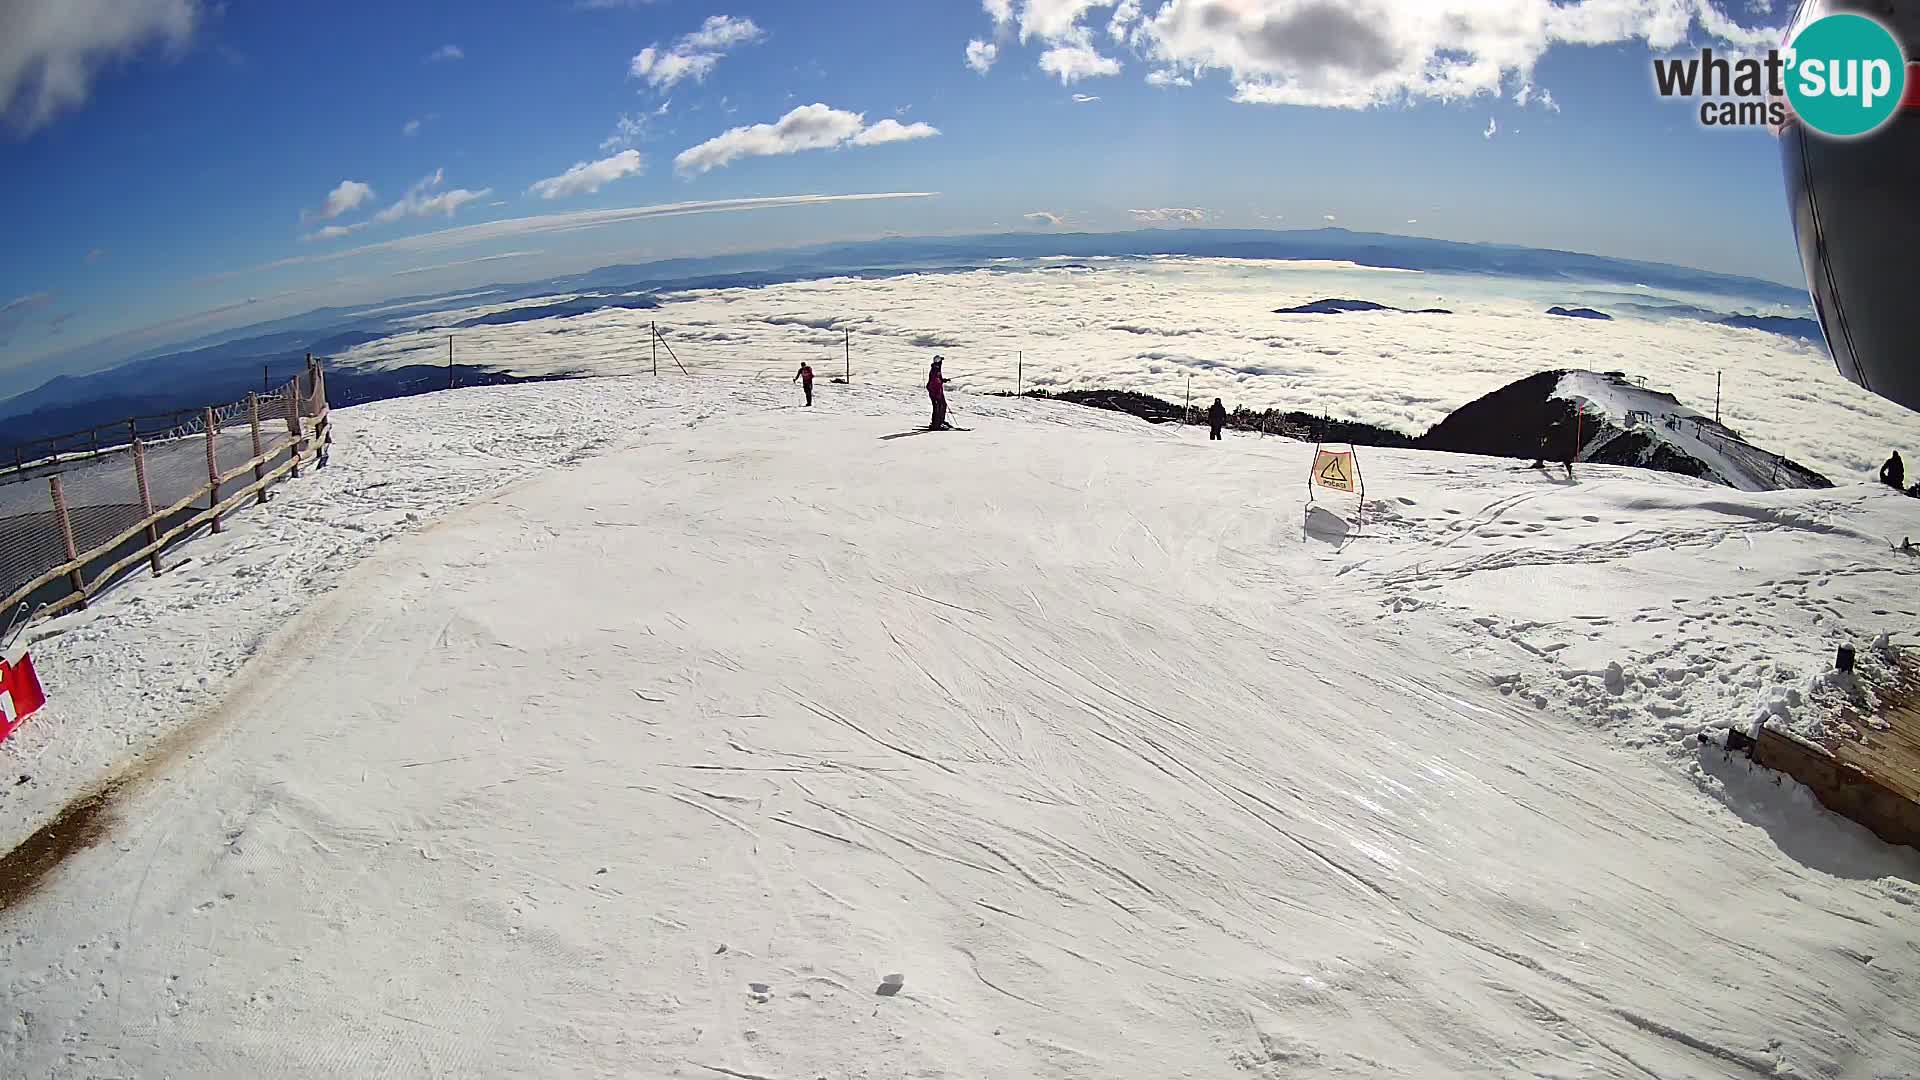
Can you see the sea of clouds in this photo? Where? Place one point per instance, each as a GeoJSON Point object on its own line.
{"type": "Point", "coordinates": [1166, 325]}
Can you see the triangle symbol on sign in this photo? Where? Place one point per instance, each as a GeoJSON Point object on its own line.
{"type": "Point", "coordinates": [1333, 473]}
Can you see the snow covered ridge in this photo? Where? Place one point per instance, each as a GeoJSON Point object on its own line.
{"type": "Point", "coordinates": [1552, 416]}
{"type": "Point", "coordinates": [1645, 427]}
{"type": "Point", "coordinates": [636, 727]}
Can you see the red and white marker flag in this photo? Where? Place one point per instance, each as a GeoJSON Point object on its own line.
{"type": "Point", "coordinates": [20, 692]}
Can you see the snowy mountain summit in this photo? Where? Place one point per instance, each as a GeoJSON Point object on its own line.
{"type": "Point", "coordinates": [1631, 425]}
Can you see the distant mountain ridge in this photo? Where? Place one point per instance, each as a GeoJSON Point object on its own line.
{"type": "Point", "coordinates": [218, 366]}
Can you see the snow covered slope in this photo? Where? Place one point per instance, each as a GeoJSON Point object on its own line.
{"type": "Point", "coordinates": [1648, 427]}
{"type": "Point", "coordinates": [660, 763]}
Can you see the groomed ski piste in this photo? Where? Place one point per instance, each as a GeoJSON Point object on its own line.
{"type": "Point", "coordinates": [651, 727]}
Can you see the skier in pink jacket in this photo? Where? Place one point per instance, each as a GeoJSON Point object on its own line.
{"type": "Point", "coordinates": [937, 392]}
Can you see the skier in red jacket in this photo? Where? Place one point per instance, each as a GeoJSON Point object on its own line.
{"type": "Point", "coordinates": [805, 379]}
{"type": "Point", "coordinates": [937, 393]}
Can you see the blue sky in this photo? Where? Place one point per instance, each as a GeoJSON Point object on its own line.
{"type": "Point", "coordinates": [187, 164]}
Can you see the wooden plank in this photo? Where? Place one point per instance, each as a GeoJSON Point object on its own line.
{"type": "Point", "coordinates": [1874, 780]}
{"type": "Point", "coordinates": [1891, 756]}
{"type": "Point", "coordinates": [146, 498]}
{"type": "Point", "coordinates": [66, 536]}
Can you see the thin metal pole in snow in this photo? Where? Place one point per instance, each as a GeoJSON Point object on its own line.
{"type": "Point", "coordinates": [449, 361]}
{"type": "Point", "coordinates": [849, 348]}
{"type": "Point", "coordinates": [653, 334]}
{"type": "Point", "coordinates": [1019, 382]}
{"type": "Point", "coordinates": [661, 339]}
{"type": "Point", "coordinates": [1716, 397]}
{"type": "Point", "coordinates": [1189, 417]}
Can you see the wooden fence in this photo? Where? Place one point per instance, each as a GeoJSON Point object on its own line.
{"type": "Point", "coordinates": [302, 408]}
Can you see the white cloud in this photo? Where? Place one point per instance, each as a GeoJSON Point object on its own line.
{"type": "Point", "coordinates": [1056, 20]}
{"type": "Point", "coordinates": [809, 127]}
{"type": "Point", "coordinates": [1164, 77]}
{"type": "Point", "coordinates": [422, 200]}
{"type": "Point", "coordinates": [22, 304]}
{"type": "Point", "coordinates": [590, 176]}
{"type": "Point", "coordinates": [446, 52]}
{"type": "Point", "coordinates": [1085, 99]}
{"type": "Point", "coordinates": [1328, 217]}
{"type": "Point", "coordinates": [410, 128]}
{"type": "Point", "coordinates": [1493, 128]}
{"type": "Point", "coordinates": [335, 232]}
{"type": "Point", "coordinates": [722, 32]}
{"type": "Point", "coordinates": [345, 198]}
{"type": "Point", "coordinates": [574, 221]}
{"type": "Point", "coordinates": [1547, 102]}
{"type": "Point", "coordinates": [1413, 221]}
{"type": "Point", "coordinates": [465, 262]}
{"type": "Point", "coordinates": [50, 52]}
{"type": "Point", "coordinates": [1072, 62]}
{"type": "Point", "coordinates": [981, 55]}
{"type": "Point", "coordinates": [891, 130]}
{"type": "Point", "coordinates": [696, 54]}
{"type": "Point", "coordinates": [1360, 53]}
{"type": "Point", "coordinates": [1046, 218]}
{"type": "Point", "coordinates": [17, 315]}
{"type": "Point", "coordinates": [1167, 214]}
{"type": "Point", "coordinates": [627, 130]}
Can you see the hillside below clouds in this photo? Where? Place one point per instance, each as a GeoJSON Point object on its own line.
{"type": "Point", "coordinates": [205, 368]}
{"type": "Point", "coordinates": [1604, 419]}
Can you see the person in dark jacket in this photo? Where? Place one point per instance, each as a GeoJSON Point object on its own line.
{"type": "Point", "coordinates": [1894, 472]}
{"type": "Point", "coordinates": [1216, 419]}
{"type": "Point", "coordinates": [805, 379]}
{"type": "Point", "coordinates": [937, 393]}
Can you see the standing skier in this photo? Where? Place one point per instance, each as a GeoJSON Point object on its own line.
{"type": "Point", "coordinates": [805, 379]}
{"type": "Point", "coordinates": [937, 393]}
{"type": "Point", "coordinates": [1216, 419]}
{"type": "Point", "coordinates": [1894, 472]}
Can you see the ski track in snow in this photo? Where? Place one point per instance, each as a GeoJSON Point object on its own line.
{"type": "Point", "coordinates": [635, 727]}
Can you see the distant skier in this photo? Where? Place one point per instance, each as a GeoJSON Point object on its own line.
{"type": "Point", "coordinates": [1894, 472]}
{"type": "Point", "coordinates": [805, 379]}
{"type": "Point", "coordinates": [1216, 419]}
{"type": "Point", "coordinates": [937, 393]}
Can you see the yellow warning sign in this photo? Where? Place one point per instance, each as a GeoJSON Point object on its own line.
{"type": "Point", "coordinates": [1334, 469]}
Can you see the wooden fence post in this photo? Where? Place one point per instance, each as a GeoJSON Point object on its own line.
{"type": "Point", "coordinates": [146, 502]}
{"type": "Point", "coordinates": [293, 425]}
{"type": "Point", "coordinates": [66, 537]}
{"type": "Point", "coordinates": [213, 470]}
{"type": "Point", "coordinates": [253, 423]}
